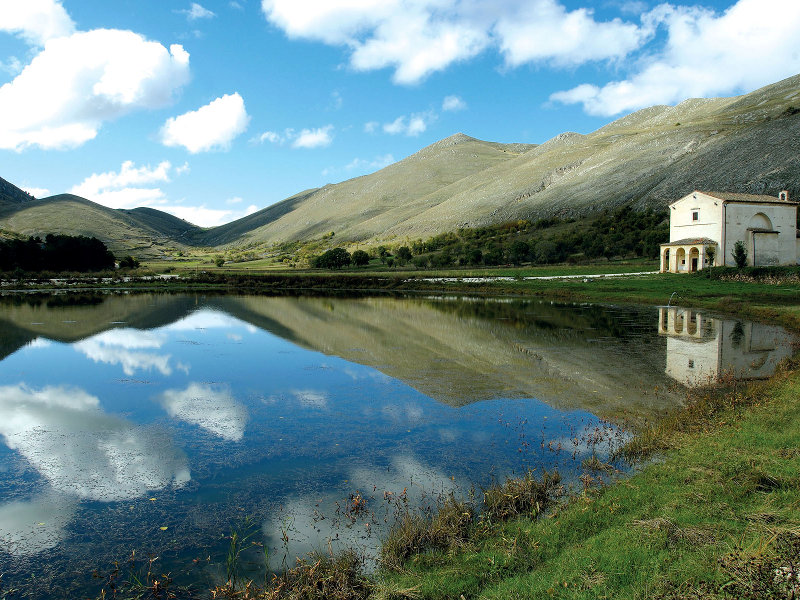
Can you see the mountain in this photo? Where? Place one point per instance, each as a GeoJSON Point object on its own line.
{"type": "Point", "coordinates": [11, 195]}
{"type": "Point", "coordinates": [140, 231]}
{"type": "Point", "coordinates": [748, 143]}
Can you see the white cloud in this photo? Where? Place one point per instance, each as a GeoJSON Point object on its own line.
{"type": "Point", "coordinates": [213, 126]}
{"type": "Point", "coordinates": [410, 126]}
{"type": "Point", "coordinates": [420, 37]}
{"type": "Point", "coordinates": [214, 409]}
{"type": "Point", "coordinates": [127, 189]}
{"type": "Point", "coordinates": [312, 398]}
{"type": "Point", "coordinates": [453, 103]}
{"type": "Point", "coordinates": [207, 217]}
{"type": "Point", "coordinates": [32, 526]}
{"type": "Point", "coordinates": [82, 452]}
{"type": "Point", "coordinates": [35, 20]}
{"type": "Point", "coordinates": [314, 138]}
{"type": "Point", "coordinates": [236, 5]}
{"type": "Point", "coordinates": [99, 75]}
{"type": "Point", "coordinates": [751, 44]}
{"type": "Point", "coordinates": [234, 200]}
{"type": "Point", "coordinates": [305, 138]}
{"type": "Point", "coordinates": [121, 189]}
{"type": "Point", "coordinates": [272, 137]}
{"type": "Point", "coordinates": [371, 126]}
{"type": "Point", "coordinates": [196, 11]}
{"type": "Point", "coordinates": [37, 192]}
{"type": "Point", "coordinates": [545, 31]}
{"type": "Point", "coordinates": [124, 347]}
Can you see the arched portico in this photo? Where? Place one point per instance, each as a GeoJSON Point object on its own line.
{"type": "Point", "coordinates": [687, 256]}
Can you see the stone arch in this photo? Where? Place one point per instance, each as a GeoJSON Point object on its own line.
{"type": "Point", "coordinates": [666, 260]}
{"type": "Point", "coordinates": [760, 221]}
{"type": "Point", "coordinates": [680, 258]}
{"type": "Point", "coordinates": [693, 264]}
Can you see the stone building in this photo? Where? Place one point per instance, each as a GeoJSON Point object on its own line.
{"type": "Point", "coordinates": [704, 226]}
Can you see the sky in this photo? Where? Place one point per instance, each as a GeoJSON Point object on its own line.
{"type": "Point", "coordinates": [212, 110]}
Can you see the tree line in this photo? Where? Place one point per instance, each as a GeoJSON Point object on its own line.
{"type": "Point", "coordinates": [55, 253]}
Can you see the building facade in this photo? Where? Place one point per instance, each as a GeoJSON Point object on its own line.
{"type": "Point", "coordinates": [705, 226]}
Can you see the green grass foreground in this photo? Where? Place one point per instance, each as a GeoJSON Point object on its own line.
{"type": "Point", "coordinates": [719, 517]}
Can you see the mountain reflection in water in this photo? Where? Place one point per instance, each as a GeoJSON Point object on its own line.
{"type": "Point", "coordinates": [156, 422]}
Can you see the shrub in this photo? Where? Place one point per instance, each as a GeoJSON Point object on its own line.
{"type": "Point", "coordinates": [740, 254]}
{"type": "Point", "coordinates": [521, 496]}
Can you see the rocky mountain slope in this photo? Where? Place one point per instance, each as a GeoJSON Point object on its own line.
{"type": "Point", "coordinates": [749, 143]}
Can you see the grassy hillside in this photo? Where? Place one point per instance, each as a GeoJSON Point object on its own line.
{"type": "Point", "coordinates": [650, 158]}
{"type": "Point", "coordinates": [647, 159]}
{"type": "Point", "coordinates": [11, 195]}
{"type": "Point", "coordinates": [141, 231]}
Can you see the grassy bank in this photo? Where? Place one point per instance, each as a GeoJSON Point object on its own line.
{"type": "Point", "coordinates": [715, 518]}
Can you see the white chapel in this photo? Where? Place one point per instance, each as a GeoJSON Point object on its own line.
{"type": "Point", "coordinates": [704, 226]}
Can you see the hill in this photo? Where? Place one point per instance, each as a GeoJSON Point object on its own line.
{"type": "Point", "coordinates": [749, 143]}
{"type": "Point", "coordinates": [11, 195]}
{"type": "Point", "coordinates": [647, 159]}
{"type": "Point", "coordinates": [140, 231]}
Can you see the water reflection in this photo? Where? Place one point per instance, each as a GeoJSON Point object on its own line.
{"type": "Point", "coordinates": [82, 453]}
{"type": "Point", "coordinates": [282, 408]}
{"type": "Point", "coordinates": [702, 349]}
{"type": "Point", "coordinates": [211, 407]}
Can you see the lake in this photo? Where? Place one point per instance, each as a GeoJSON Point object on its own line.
{"type": "Point", "coordinates": [158, 424]}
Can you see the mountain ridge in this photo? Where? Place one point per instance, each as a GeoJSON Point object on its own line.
{"type": "Point", "coordinates": [648, 158]}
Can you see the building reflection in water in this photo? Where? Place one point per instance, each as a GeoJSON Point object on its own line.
{"type": "Point", "coordinates": [703, 349]}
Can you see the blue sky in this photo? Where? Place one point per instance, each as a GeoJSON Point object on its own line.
{"type": "Point", "coordinates": [213, 109]}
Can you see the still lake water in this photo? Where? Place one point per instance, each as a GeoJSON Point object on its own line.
{"type": "Point", "coordinates": [159, 423]}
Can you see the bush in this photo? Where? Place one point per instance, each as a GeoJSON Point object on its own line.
{"type": "Point", "coordinates": [129, 262]}
{"type": "Point", "coordinates": [333, 259]}
{"type": "Point", "coordinates": [360, 258]}
{"type": "Point", "coordinates": [521, 496]}
{"type": "Point", "coordinates": [740, 254]}
{"type": "Point", "coordinates": [415, 533]}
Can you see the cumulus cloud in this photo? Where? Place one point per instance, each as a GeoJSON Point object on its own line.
{"type": "Point", "coordinates": [420, 37]}
{"type": "Point", "coordinates": [210, 127]}
{"type": "Point", "coordinates": [125, 347]}
{"type": "Point", "coordinates": [751, 44]}
{"type": "Point", "coordinates": [371, 126]}
{"type": "Point", "coordinates": [37, 192]}
{"type": "Point", "coordinates": [126, 188]}
{"type": "Point", "coordinates": [36, 20]}
{"type": "Point", "coordinates": [410, 126]}
{"type": "Point", "coordinates": [305, 138]}
{"type": "Point", "coordinates": [99, 75]}
{"type": "Point", "coordinates": [196, 11]}
{"type": "Point", "coordinates": [314, 138]}
{"type": "Point", "coordinates": [453, 103]}
{"type": "Point", "coordinates": [82, 452]}
{"type": "Point", "coordinates": [212, 408]}
{"type": "Point", "coordinates": [207, 217]}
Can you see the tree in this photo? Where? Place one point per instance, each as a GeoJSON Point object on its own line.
{"type": "Point", "coordinates": [129, 262]}
{"type": "Point", "coordinates": [403, 253]}
{"type": "Point", "coordinates": [219, 261]}
{"type": "Point", "coordinates": [545, 251]}
{"type": "Point", "coordinates": [740, 254]}
{"type": "Point", "coordinates": [360, 258]}
{"type": "Point", "coordinates": [383, 253]}
{"type": "Point", "coordinates": [519, 251]}
{"type": "Point", "coordinates": [711, 254]}
{"type": "Point", "coordinates": [333, 259]}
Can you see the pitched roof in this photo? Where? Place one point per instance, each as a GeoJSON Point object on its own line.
{"type": "Point", "coordinates": [691, 242]}
{"type": "Point", "coordinates": [737, 197]}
